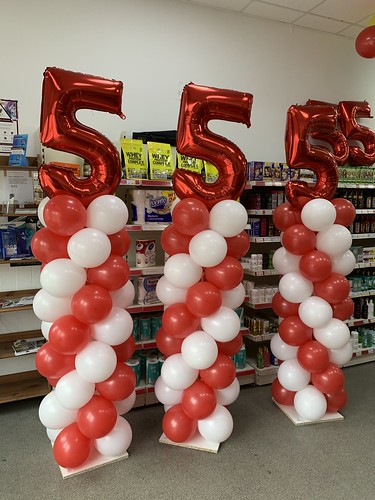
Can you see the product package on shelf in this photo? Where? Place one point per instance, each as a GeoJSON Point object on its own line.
{"type": "Point", "coordinates": [15, 238]}
{"type": "Point", "coordinates": [133, 158]}
{"type": "Point", "coordinates": [146, 287]}
{"type": "Point", "coordinates": [160, 159]}
{"type": "Point", "coordinates": [189, 163]}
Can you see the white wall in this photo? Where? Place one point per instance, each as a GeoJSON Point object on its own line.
{"type": "Point", "coordinates": [156, 46]}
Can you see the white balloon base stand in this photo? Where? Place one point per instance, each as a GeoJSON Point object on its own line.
{"type": "Point", "coordinates": [291, 413]}
{"type": "Point", "coordinates": [96, 460]}
{"type": "Point", "coordinates": [195, 443]}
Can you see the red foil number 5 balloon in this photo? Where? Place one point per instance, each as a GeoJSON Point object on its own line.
{"type": "Point", "coordinates": [303, 121]}
{"type": "Point", "coordinates": [65, 92]}
{"type": "Point", "coordinates": [200, 104]}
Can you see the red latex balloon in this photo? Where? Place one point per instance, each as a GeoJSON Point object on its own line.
{"type": "Point", "coordinates": [203, 299]}
{"type": "Point", "coordinates": [71, 448]}
{"type": "Point", "coordinates": [286, 215]}
{"type": "Point", "coordinates": [172, 241]}
{"type": "Point", "coordinates": [333, 289]}
{"type": "Point", "coordinates": [294, 332]}
{"type": "Point", "coordinates": [238, 245]}
{"type": "Point", "coordinates": [64, 93]}
{"type": "Point", "coordinates": [97, 417]}
{"type": "Point", "coordinates": [313, 356]}
{"type": "Point", "coordinates": [177, 426]}
{"type": "Point", "coordinates": [336, 401]}
{"type": "Point", "coordinates": [365, 42]}
{"type": "Point", "coordinates": [64, 215]}
{"type": "Point", "coordinates": [349, 111]}
{"type": "Point", "coordinates": [51, 363]}
{"type": "Point", "coordinates": [302, 122]}
{"type": "Point", "coordinates": [199, 105]}
{"type": "Point", "coordinates": [232, 347]}
{"type": "Point", "coordinates": [282, 395]}
{"type": "Point", "coordinates": [330, 380]}
{"type": "Point", "coordinates": [91, 304]}
{"type": "Point", "coordinates": [168, 344]}
{"type": "Point", "coordinates": [178, 321]}
{"type": "Point", "coordinates": [190, 216]}
{"type": "Point", "coordinates": [111, 275]}
{"type": "Point", "coordinates": [198, 401]}
{"type": "Point", "coordinates": [298, 239]}
{"type": "Point", "coordinates": [220, 374]}
{"type": "Point", "coordinates": [125, 350]}
{"type": "Point", "coordinates": [345, 211]}
{"type": "Point", "coordinates": [226, 275]}
{"type": "Point", "coordinates": [119, 385]}
{"type": "Point", "coordinates": [120, 242]}
{"type": "Point", "coordinates": [343, 310]}
{"type": "Point", "coordinates": [47, 246]}
{"type": "Point", "coordinates": [67, 335]}
{"type": "Point", "coordinates": [282, 307]}
{"type": "Point", "coordinates": [53, 380]}
{"type": "Point", "coordinates": [315, 265]}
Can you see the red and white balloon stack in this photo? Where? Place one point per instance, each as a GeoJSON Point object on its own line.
{"type": "Point", "coordinates": [201, 287]}
{"type": "Point", "coordinates": [85, 291]}
{"type": "Point", "coordinates": [313, 301]}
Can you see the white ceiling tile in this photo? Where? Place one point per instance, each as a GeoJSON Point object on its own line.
{"type": "Point", "coordinates": [347, 10]}
{"type": "Point", "coordinates": [352, 31]}
{"type": "Point", "coordinates": [235, 5]}
{"type": "Point", "coordinates": [303, 5]}
{"type": "Point", "coordinates": [321, 23]}
{"type": "Point", "coordinates": [261, 9]}
{"type": "Point", "coordinates": [364, 22]}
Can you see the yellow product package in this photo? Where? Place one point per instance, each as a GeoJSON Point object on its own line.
{"type": "Point", "coordinates": [189, 163]}
{"type": "Point", "coordinates": [211, 172]}
{"type": "Point", "coordinates": [134, 158]}
{"type": "Point", "coordinates": [160, 161]}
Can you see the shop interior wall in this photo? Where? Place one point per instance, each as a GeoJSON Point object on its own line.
{"type": "Point", "coordinates": [155, 47]}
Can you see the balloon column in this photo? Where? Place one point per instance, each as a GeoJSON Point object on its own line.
{"type": "Point", "coordinates": [85, 286]}
{"type": "Point", "coordinates": [313, 299]}
{"type": "Point", "coordinates": [202, 281]}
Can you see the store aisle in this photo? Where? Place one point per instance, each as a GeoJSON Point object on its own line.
{"type": "Point", "coordinates": [267, 457]}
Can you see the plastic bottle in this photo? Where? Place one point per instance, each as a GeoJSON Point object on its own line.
{"type": "Point", "coordinates": [364, 311]}
{"type": "Point", "coordinates": [371, 308]}
{"type": "Point", "coordinates": [138, 205]}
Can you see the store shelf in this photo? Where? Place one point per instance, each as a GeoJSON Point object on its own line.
{"type": "Point", "coordinates": [364, 211]}
{"type": "Point", "coordinates": [5, 297]}
{"type": "Point", "coordinates": [261, 211]}
{"type": "Point", "coordinates": [145, 183]}
{"type": "Point", "coordinates": [246, 375]}
{"type": "Point", "coordinates": [145, 308]}
{"type": "Point", "coordinates": [263, 376]}
{"type": "Point", "coordinates": [367, 293]}
{"type": "Point", "coordinates": [260, 338]}
{"type": "Point", "coordinates": [355, 186]}
{"type": "Point", "coordinates": [7, 339]}
{"type": "Point", "coordinates": [155, 226]}
{"type": "Point", "coordinates": [16, 262]}
{"type": "Point", "coordinates": [361, 356]}
{"type": "Point", "coordinates": [266, 305]}
{"type": "Point", "coordinates": [265, 239]}
{"type": "Point", "coordinates": [24, 385]}
{"type": "Point", "coordinates": [359, 322]}
{"type": "Point", "coordinates": [251, 184]}
{"type": "Point", "coordinates": [263, 272]}
{"type": "Point", "coordinates": [146, 271]}
{"type": "Point", "coordinates": [362, 265]}
{"type": "Point", "coordinates": [365, 236]}
{"type": "Point", "coordinates": [145, 344]}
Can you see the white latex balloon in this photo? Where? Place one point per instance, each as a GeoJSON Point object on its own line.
{"type": "Point", "coordinates": [52, 434]}
{"type": "Point", "coordinates": [108, 213]}
{"type": "Point", "coordinates": [295, 288]}
{"type": "Point", "coordinates": [310, 403]}
{"type": "Point", "coordinates": [218, 426]}
{"type": "Point", "coordinates": [41, 206]}
{"type": "Point", "coordinates": [234, 297]}
{"type": "Point", "coordinates": [73, 392]}
{"type": "Point", "coordinates": [223, 325]}
{"type": "Point", "coordinates": [333, 335]}
{"type": "Point", "coordinates": [228, 218]}
{"type": "Point", "coordinates": [181, 271]}
{"type": "Point", "coordinates": [49, 308]}
{"type": "Point", "coordinates": [124, 296]}
{"type": "Point", "coordinates": [117, 441]}
{"type": "Point", "coordinates": [176, 374]}
{"type": "Point", "coordinates": [125, 405]}
{"type": "Point", "coordinates": [169, 294]}
{"type": "Point", "coordinates": [229, 394]}
{"type": "Point", "coordinates": [334, 241]}
{"type": "Point", "coordinates": [45, 328]}
{"type": "Point", "coordinates": [208, 248]}
{"type": "Point", "coordinates": [96, 361]}
{"type": "Point", "coordinates": [344, 264]}
{"type": "Point", "coordinates": [165, 394]}
{"type": "Point", "coordinates": [53, 415]}
{"type": "Point", "coordinates": [199, 350]}
{"type": "Point", "coordinates": [292, 376]}
{"type": "Point", "coordinates": [281, 349]}
{"type": "Point", "coordinates": [318, 214]}
{"type": "Point", "coordinates": [115, 328]}
{"type": "Point", "coordinates": [285, 262]}
{"type": "Point", "coordinates": [315, 312]}
{"type": "Point", "coordinates": [62, 277]}
{"type": "Point", "coordinates": [341, 356]}
{"type": "Point", "coordinates": [89, 247]}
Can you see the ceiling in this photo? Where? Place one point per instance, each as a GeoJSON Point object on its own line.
{"type": "Point", "coordinates": [341, 17]}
